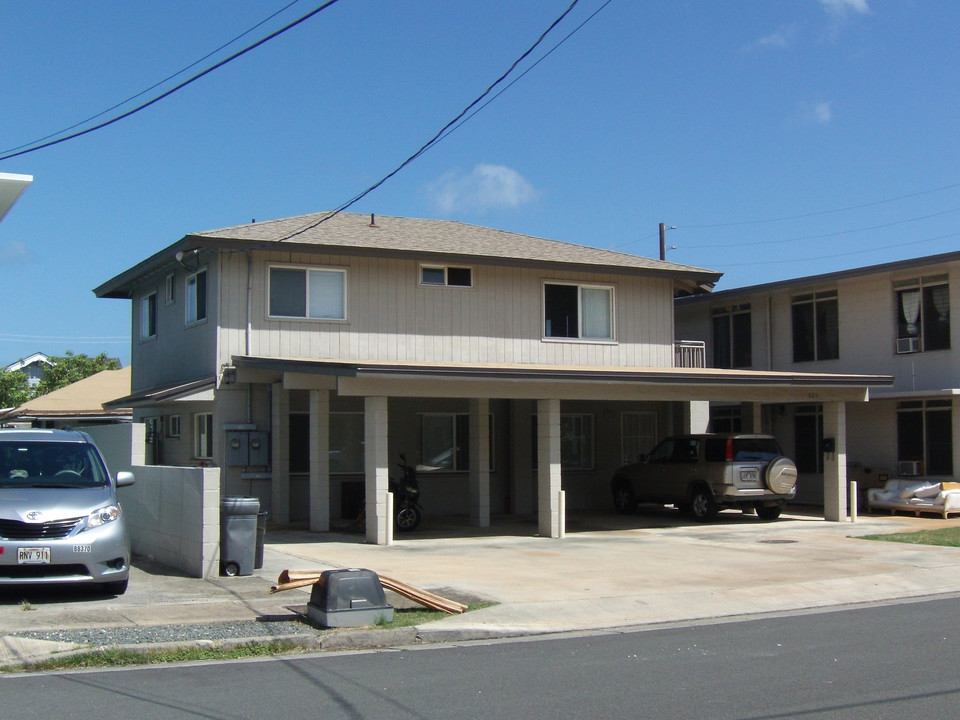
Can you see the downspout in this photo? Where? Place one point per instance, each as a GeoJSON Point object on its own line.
{"type": "Point", "coordinates": [248, 331]}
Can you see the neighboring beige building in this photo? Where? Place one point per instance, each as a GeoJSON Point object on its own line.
{"type": "Point", "coordinates": [302, 355]}
{"type": "Point", "coordinates": [892, 319]}
{"type": "Point", "coordinates": [80, 403]}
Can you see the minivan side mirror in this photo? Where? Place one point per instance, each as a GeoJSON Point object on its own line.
{"type": "Point", "coordinates": [125, 478]}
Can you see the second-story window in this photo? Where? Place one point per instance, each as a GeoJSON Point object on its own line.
{"type": "Point", "coordinates": [578, 311]}
{"type": "Point", "coordinates": [445, 275]}
{"type": "Point", "coordinates": [148, 316]}
{"type": "Point", "coordinates": [732, 337]}
{"type": "Point", "coordinates": [923, 314]}
{"type": "Point", "coordinates": [307, 293]}
{"type": "Point", "coordinates": [816, 327]}
{"type": "Point", "coordinates": [196, 303]}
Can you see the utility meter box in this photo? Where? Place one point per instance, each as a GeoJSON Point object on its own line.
{"type": "Point", "coordinates": [348, 598]}
{"type": "Point", "coordinates": [247, 448]}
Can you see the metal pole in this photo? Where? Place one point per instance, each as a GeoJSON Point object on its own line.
{"type": "Point", "coordinates": [663, 241]}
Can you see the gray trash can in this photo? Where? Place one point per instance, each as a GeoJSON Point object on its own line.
{"type": "Point", "coordinates": [238, 535]}
{"type": "Point", "coordinates": [261, 539]}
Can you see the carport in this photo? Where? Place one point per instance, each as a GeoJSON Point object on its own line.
{"type": "Point", "coordinates": [376, 384]}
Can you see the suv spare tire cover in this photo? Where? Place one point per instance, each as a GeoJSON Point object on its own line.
{"type": "Point", "coordinates": [781, 475]}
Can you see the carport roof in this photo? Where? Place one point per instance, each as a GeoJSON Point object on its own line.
{"type": "Point", "coordinates": [533, 381]}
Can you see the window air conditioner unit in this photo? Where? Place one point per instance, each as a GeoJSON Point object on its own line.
{"type": "Point", "coordinates": [908, 468]}
{"type": "Point", "coordinates": [908, 345]}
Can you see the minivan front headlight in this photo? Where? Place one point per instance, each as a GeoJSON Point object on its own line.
{"type": "Point", "coordinates": [103, 516]}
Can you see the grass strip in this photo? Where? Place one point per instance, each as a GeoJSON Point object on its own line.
{"type": "Point", "coordinates": [948, 537]}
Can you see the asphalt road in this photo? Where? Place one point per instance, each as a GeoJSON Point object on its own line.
{"type": "Point", "coordinates": [893, 661]}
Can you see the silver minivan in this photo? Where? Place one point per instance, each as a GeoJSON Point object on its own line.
{"type": "Point", "coordinates": [60, 518]}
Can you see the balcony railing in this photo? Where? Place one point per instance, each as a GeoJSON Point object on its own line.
{"type": "Point", "coordinates": [689, 354]}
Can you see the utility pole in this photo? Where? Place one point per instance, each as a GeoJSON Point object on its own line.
{"type": "Point", "coordinates": [663, 241]}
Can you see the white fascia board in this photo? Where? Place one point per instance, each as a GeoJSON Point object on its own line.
{"type": "Point", "coordinates": [11, 187]}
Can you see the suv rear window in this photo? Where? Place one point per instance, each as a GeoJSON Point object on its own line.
{"type": "Point", "coordinates": [741, 449]}
{"type": "Point", "coordinates": [50, 464]}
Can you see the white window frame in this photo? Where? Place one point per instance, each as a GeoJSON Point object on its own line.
{"type": "Point", "coordinates": [445, 270]}
{"type": "Point", "coordinates": [148, 307]}
{"type": "Point", "coordinates": [579, 337]}
{"type": "Point", "coordinates": [460, 461]}
{"type": "Point", "coordinates": [359, 440]}
{"type": "Point", "coordinates": [638, 434]}
{"type": "Point", "coordinates": [170, 291]}
{"type": "Point", "coordinates": [192, 297]}
{"type": "Point", "coordinates": [307, 270]}
{"type": "Point", "coordinates": [173, 426]}
{"type": "Point", "coordinates": [203, 436]}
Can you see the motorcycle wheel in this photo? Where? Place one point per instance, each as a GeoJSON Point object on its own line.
{"type": "Point", "coordinates": [407, 518]}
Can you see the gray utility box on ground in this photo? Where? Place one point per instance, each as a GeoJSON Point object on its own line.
{"type": "Point", "coordinates": [238, 535]}
{"type": "Point", "coordinates": [348, 598]}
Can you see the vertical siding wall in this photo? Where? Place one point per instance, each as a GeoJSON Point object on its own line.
{"type": "Point", "coordinates": [391, 317]}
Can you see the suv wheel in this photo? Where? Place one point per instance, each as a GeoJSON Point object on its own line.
{"type": "Point", "coordinates": [769, 512]}
{"type": "Point", "coordinates": [702, 505]}
{"type": "Point", "coordinates": [624, 500]}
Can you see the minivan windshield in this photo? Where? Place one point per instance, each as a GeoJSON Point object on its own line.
{"type": "Point", "coordinates": [50, 464]}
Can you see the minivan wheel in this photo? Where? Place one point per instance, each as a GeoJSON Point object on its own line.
{"type": "Point", "coordinates": [623, 498]}
{"type": "Point", "coordinates": [702, 505]}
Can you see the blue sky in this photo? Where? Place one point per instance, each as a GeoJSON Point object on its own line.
{"type": "Point", "coordinates": [779, 138]}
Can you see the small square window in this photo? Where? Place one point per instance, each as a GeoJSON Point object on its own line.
{"type": "Point", "coordinates": [173, 426]}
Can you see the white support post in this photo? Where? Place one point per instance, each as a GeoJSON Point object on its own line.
{"type": "Point", "coordinates": [548, 467]}
{"type": "Point", "coordinates": [320, 460]}
{"type": "Point", "coordinates": [377, 468]}
{"type": "Point", "coordinates": [480, 463]}
{"type": "Point", "coordinates": [835, 463]}
{"type": "Point", "coordinates": [280, 468]}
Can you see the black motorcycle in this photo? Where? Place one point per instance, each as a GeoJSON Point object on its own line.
{"type": "Point", "coordinates": [407, 513]}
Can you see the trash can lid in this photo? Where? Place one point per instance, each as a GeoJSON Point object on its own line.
{"type": "Point", "coordinates": [239, 505]}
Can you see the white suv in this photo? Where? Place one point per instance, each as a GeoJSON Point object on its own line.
{"type": "Point", "coordinates": [704, 474]}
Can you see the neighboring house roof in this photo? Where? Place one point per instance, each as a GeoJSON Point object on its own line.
{"type": "Point", "coordinates": [11, 187]}
{"type": "Point", "coordinates": [36, 358]}
{"type": "Point", "coordinates": [82, 400]}
{"type": "Point", "coordinates": [443, 240]}
{"type": "Point", "coordinates": [890, 267]}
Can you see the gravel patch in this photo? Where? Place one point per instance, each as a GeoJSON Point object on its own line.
{"type": "Point", "coordinates": [172, 633]}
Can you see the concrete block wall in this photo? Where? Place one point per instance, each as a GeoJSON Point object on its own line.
{"type": "Point", "coordinates": [173, 516]}
{"type": "Point", "coordinates": [172, 513]}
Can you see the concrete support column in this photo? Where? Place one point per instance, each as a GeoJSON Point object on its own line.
{"type": "Point", "coordinates": [320, 460]}
{"type": "Point", "coordinates": [376, 468]}
{"type": "Point", "coordinates": [280, 446]}
{"type": "Point", "coordinates": [696, 416]}
{"type": "Point", "coordinates": [548, 468]}
{"type": "Point", "coordinates": [480, 462]}
{"type": "Point", "coordinates": [835, 463]}
{"type": "Point", "coordinates": [756, 417]}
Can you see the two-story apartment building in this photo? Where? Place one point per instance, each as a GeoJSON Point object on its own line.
{"type": "Point", "coordinates": [302, 355]}
{"type": "Point", "coordinates": [892, 319]}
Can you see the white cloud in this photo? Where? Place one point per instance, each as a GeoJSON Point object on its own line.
{"type": "Point", "coordinates": [785, 36]}
{"type": "Point", "coordinates": [486, 187]}
{"type": "Point", "coordinates": [844, 7]}
{"type": "Point", "coordinates": [14, 252]}
{"type": "Point", "coordinates": [822, 113]}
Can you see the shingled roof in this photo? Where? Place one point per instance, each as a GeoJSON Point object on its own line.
{"type": "Point", "coordinates": [390, 236]}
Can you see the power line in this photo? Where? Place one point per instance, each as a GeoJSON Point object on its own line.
{"type": "Point", "coordinates": [449, 127]}
{"type": "Point", "coordinates": [174, 89]}
{"type": "Point", "coordinates": [155, 85]}
{"type": "Point", "coordinates": [822, 212]}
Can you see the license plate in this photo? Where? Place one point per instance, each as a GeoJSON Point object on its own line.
{"type": "Point", "coordinates": [750, 477]}
{"type": "Point", "coordinates": [33, 556]}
